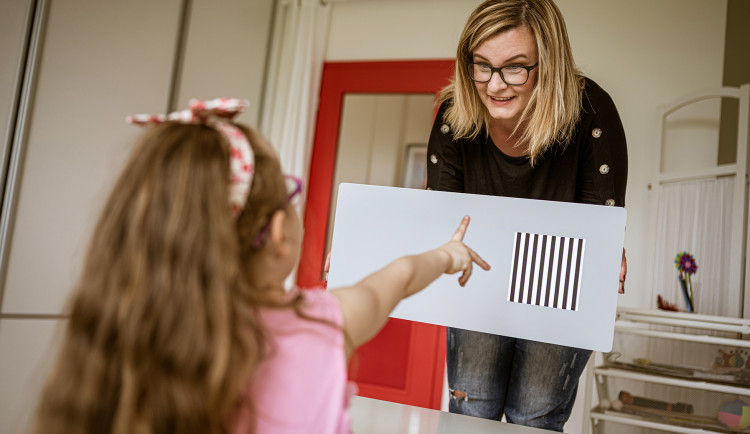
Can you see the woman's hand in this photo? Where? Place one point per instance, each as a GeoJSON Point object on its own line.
{"type": "Point", "coordinates": [462, 257]}
{"type": "Point", "coordinates": [327, 266]}
{"type": "Point", "coordinates": [623, 273]}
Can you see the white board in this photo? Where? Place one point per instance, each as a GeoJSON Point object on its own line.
{"type": "Point", "coordinates": [555, 265]}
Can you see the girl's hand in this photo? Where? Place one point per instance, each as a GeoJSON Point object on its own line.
{"type": "Point", "coordinates": [366, 305]}
{"type": "Point", "coordinates": [462, 257]}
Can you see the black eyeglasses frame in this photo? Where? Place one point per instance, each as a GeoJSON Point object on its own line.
{"type": "Point", "coordinates": [499, 70]}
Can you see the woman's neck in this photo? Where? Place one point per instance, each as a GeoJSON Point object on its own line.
{"type": "Point", "coordinates": [507, 142]}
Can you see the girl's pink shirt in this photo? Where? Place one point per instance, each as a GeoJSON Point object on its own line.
{"type": "Point", "coordinates": [302, 386]}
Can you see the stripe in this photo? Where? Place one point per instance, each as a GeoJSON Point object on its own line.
{"type": "Point", "coordinates": [514, 271]}
{"type": "Point", "coordinates": [579, 258]}
{"type": "Point", "coordinates": [549, 271]}
{"type": "Point", "coordinates": [523, 269]}
{"type": "Point", "coordinates": [567, 273]}
{"type": "Point", "coordinates": [560, 255]}
{"type": "Point", "coordinates": [571, 277]}
{"type": "Point", "coordinates": [530, 286]}
{"type": "Point", "coordinates": [543, 257]}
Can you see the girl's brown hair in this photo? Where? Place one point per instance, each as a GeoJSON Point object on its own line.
{"type": "Point", "coordinates": [555, 104]}
{"type": "Point", "coordinates": [162, 334]}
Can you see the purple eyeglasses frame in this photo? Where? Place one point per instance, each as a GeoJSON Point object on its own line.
{"type": "Point", "coordinates": [263, 233]}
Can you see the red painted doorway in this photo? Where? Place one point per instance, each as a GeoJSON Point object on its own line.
{"type": "Point", "coordinates": [405, 362]}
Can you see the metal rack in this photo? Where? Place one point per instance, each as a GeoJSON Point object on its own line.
{"type": "Point", "coordinates": [642, 322]}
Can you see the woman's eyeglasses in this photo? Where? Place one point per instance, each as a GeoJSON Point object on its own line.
{"type": "Point", "coordinates": [513, 75]}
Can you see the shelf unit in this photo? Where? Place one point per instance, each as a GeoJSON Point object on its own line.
{"type": "Point", "coordinates": [641, 323]}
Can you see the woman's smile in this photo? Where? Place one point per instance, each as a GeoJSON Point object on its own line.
{"type": "Point", "coordinates": [501, 100]}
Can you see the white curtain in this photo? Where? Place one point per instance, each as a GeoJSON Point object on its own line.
{"type": "Point", "coordinates": [295, 65]}
{"type": "Point", "coordinates": [693, 216]}
{"type": "Point", "coordinates": [696, 216]}
{"type": "Point", "coordinates": [293, 83]}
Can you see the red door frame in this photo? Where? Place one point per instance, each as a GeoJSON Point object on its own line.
{"type": "Point", "coordinates": [339, 78]}
{"type": "Point", "coordinates": [427, 342]}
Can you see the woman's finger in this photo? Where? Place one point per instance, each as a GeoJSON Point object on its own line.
{"type": "Point", "coordinates": [461, 231]}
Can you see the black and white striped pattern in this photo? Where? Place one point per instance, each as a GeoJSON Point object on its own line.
{"type": "Point", "coordinates": [546, 270]}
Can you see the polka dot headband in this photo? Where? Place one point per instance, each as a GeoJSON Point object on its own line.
{"type": "Point", "coordinates": [217, 113]}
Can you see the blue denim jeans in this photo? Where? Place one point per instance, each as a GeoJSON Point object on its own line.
{"type": "Point", "coordinates": [533, 383]}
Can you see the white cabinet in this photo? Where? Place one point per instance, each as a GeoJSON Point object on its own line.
{"type": "Point", "coordinates": [71, 71]}
{"type": "Point", "coordinates": [682, 347]}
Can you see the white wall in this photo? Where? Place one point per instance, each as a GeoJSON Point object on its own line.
{"type": "Point", "coordinates": [78, 137]}
{"type": "Point", "coordinates": [225, 53]}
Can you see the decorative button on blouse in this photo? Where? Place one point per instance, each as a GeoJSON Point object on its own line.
{"type": "Point", "coordinates": [596, 133]}
{"type": "Point", "coordinates": [610, 202]}
{"type": "Point", "coordinates": [433, 159]}
{"type": "Point", "coordinates": [604, 169]}
{"type": "Point", "coordinates": [445, 129]}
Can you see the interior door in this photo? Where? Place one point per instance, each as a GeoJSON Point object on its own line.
{"type": "Point", "coordinates": [405, 362]}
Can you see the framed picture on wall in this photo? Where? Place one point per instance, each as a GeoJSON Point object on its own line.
{"type": "Point", "coordinates": [414, 172]}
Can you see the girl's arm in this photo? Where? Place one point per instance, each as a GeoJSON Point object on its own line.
{"type": "Point", "coordinates": [367, 304]}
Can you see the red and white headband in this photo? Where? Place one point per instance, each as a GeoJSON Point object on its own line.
{"type": "Point", "coordinates": [217, 113]}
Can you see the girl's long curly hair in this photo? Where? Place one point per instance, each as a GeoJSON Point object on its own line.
{"type": "Point", "coordinates": [162, 335]}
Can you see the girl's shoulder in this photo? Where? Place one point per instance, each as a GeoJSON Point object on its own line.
{"type": "Point", "coordinates": [319, 300]}
{"type": "Point", "coordinates": [316, 303]}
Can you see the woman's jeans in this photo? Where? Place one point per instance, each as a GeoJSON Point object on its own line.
{"type": "Point", "coordinates": [533, 383]}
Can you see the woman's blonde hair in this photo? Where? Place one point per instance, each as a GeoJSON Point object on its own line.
{"type": "Point", "coordinates": [163, 335]}
{"type": "Point", "coordinates": [555, 103]}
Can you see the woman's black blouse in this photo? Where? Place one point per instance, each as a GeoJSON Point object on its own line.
{"type": "Point", "coordinates": [591, 168]}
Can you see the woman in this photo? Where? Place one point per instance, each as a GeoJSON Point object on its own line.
{"type": "Point", "coordinates": [520, 120]}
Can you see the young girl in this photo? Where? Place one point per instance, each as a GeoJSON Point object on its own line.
{"type": "Point", "coordinates": [180, 322]}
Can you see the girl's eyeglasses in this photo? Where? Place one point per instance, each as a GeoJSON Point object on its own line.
{"type": "Point", "coordinates": [294, 188]}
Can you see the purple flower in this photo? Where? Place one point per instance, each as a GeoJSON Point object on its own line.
{"type": "Point", "coordinates": [685, 262]}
